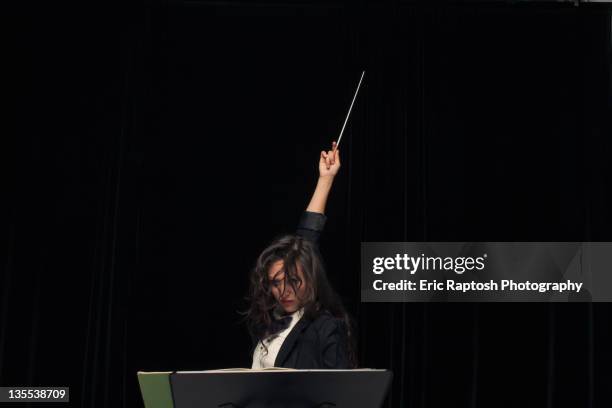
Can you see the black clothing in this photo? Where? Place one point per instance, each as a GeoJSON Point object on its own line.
{"type": "Point", "coordinates": [317, 343]}
{"type": "Point", "coordinates": [311, 226]}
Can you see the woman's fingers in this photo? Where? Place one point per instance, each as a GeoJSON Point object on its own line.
{"type": "Point", "coordinates": [331, 158]}
{"type": "Point", "coordinates": [333, 151]}
{"type": "Point", "coordinates": [325, 159]}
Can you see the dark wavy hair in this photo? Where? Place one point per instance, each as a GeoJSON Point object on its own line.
{"type": "Point", "coordinates": [320, 297]}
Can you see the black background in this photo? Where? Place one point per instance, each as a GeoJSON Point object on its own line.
{"type": "Point", "coordinates": [153, 149]}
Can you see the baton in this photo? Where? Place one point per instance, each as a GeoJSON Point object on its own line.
{"type": "Point", "coordinates": [350, 108]}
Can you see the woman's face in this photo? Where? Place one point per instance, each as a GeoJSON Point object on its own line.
{"type": "Point", "coordinates": [282, 289]}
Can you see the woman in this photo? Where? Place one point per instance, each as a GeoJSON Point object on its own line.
{"type": "Point", "coordinates": [296, 319]}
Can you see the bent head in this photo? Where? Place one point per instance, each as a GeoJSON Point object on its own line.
{"type": "Point", "coordinates": [289, 291]}
{"type": "Point", "coordinates": [287, 275]}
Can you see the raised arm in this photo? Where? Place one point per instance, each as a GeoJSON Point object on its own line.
{"type": "Point", "coordinates": [313, 219]}
{"type": "Point", "coordinates": [329, 164]}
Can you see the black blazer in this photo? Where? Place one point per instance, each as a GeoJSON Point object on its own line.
{"type": "Point", "coordinates": [313, 343]}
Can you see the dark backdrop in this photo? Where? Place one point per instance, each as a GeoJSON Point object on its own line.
{"type": "Point", "coordinates": [155, 148]}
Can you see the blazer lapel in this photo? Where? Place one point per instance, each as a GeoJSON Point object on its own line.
{"type": "Point", "coordinates": [289, 342]}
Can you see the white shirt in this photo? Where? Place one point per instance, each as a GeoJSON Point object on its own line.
{"type": "Point", "coordinates": [261, 359]}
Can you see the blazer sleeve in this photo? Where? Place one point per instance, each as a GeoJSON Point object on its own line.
{"type": "Point", "coordinates": [334, 345]}
{"type": "Point", "coordinates": [311, 226]}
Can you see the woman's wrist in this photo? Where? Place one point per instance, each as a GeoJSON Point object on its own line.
{"type": "Point", "coordinates": [319, 198]}
{"type": "Point", "coordinates": [324, 185]}
{"type": "Point", "coordinates": [327, 179]}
